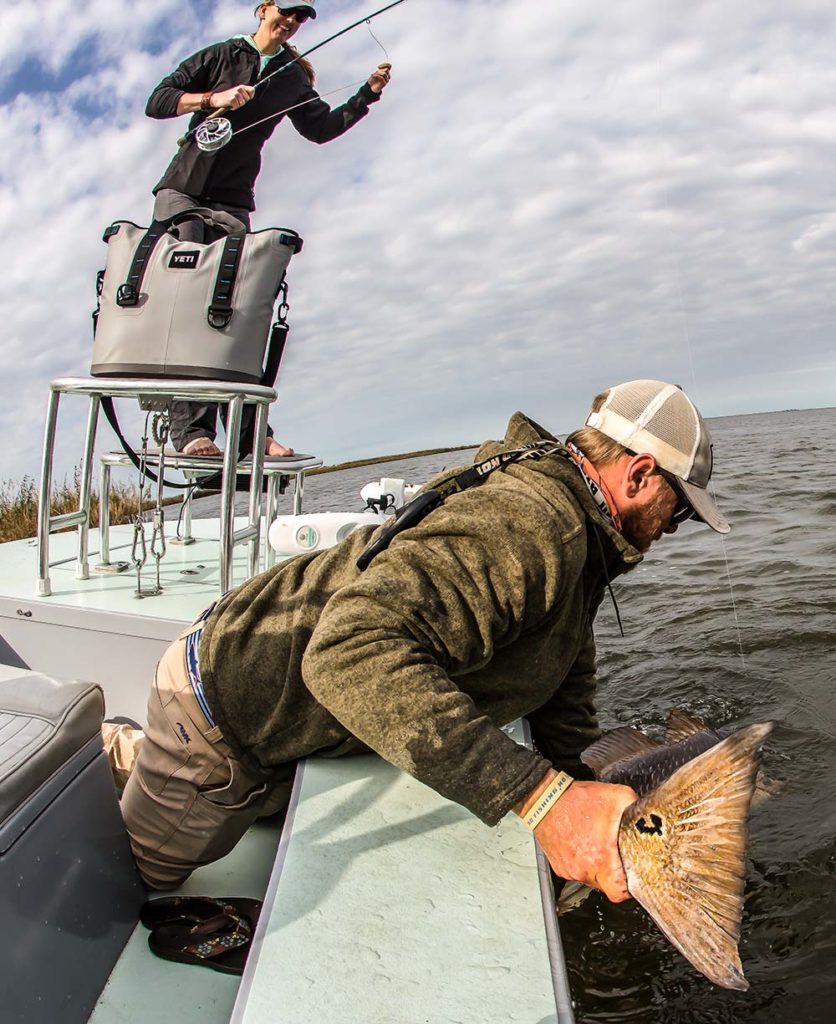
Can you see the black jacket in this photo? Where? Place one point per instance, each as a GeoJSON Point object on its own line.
{"type": "Point", "coordinates": [228, 175]}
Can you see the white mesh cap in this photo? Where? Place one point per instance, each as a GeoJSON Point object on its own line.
{"type": "Point", "coordinates": [660, 419]}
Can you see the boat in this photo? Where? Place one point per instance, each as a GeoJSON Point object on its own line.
{"type": "Point", "coordinates": [382, 902]}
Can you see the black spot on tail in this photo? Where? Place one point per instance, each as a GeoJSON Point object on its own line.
{"type": "Point", "coordinates": [654, 829]}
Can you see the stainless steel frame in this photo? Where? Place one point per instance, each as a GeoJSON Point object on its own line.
{"type": "Point", "coordinates": [95, 388]}
{"type": "Point", "coordinates": [193, 466]}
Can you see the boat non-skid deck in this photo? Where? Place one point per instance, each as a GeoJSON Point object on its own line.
{"type": "Point", "coordinates": [386, 904]}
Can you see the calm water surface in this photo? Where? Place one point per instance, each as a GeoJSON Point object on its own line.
{"type": "Point", "coordinates": [739, 629]}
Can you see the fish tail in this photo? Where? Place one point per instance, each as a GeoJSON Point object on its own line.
{"type": "Point", "coordinates": [683, 847]}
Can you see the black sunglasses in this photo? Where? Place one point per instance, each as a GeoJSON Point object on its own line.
{"type": "Point", "coordinates": [684, 509]}
{"type": "Point", "coordinates": [299, 13]}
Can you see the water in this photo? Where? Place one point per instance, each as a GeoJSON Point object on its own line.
{"type": "Point", "coordinates": [738, 630]}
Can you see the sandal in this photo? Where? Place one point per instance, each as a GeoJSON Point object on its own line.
{"type": "Point", "coordinates": [195, 909]}
{"type": "Point", "coordinates": [220, 943]}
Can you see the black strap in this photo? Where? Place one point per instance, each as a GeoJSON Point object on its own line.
{"type": "Point", "coordinates": [127, 294]}
{"type": "Point", "coordinates": [275, 350]}
{"type": "Point", "coordinates": [110, 413]}
{"type": "Point", "coordinates": [220, 310]}
{"type": "Point", "coordinates": [422, 504]}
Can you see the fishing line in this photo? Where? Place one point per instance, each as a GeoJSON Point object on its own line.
{"type": "Point", "coordinates": [686, 331]}
{"type": "Point", "coordinates": [369, 27]}
{"type": "Point", "coordinates": [279, 113]}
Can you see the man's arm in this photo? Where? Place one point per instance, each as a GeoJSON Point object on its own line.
{"type": "Point", "coordinates": [390, 649]}
{"type": "Point", "coordinates": [567, 724]}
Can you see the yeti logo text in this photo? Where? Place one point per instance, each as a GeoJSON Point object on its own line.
{"type": "Point", "coordinates": [184, 260]}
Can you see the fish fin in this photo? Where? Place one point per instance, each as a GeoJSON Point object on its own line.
{"type": "Point", "coordinates": [617, 745]}
{"type": "Point", "coordinates": [683, 847]}
{"type": "Point", "coordinates": [680, 725]}
{"type": "Point", "coordinates": [572, 895]}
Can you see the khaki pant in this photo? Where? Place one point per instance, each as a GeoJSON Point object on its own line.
{"type": "Point", "coordinates": [188, 800]}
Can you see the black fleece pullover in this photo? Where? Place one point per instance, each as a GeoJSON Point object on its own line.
{"type": "Point", "coordinates": [228, 175]}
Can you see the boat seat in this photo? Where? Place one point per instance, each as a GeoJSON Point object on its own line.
{"type": "Point", "coordinates": [69, 891]}
{"type": "Point", "coordinates": [276, 471]}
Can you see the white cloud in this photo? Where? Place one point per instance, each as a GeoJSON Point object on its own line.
{"type": "Point", "coordinates": [548, 199]}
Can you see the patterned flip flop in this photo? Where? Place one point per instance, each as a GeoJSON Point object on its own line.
{"type": "Point", "coordinates": [194, 909]}
{"type": "Point", "coordinates": [220, 943]}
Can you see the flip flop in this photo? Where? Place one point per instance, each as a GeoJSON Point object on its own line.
{"type": "Point", "coordinates": [221, 943]}
{"type": "Point", "coordinates": [195, 909]}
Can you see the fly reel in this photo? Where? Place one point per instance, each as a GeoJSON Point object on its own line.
{"type": "Point", "coordinates": [213, 134]}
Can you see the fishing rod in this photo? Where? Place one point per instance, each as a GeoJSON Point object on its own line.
{"type": "Point", "coordinates": [215, 138]}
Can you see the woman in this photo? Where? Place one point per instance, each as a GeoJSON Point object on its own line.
{"type": "Point", "coordinates": [224, 75]}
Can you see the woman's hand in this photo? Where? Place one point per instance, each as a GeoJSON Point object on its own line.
{"type": "Point", "coordinates": [579, 836]}
{"type": "Point", "coordinates": [380, 79]}
{"type": "Point", "coordinates": [232, 98]}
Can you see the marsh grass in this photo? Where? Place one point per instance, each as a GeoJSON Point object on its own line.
{"type": "Point", "coordinates": [19, 505]}
{"type": "Point", "coordinates": [19, 499]}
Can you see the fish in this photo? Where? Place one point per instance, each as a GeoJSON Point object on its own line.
{"type": "Point", "coordinates": [683, 842]}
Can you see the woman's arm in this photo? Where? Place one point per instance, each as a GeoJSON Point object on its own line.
{"type": "Point", "coordinates": [317, 122]}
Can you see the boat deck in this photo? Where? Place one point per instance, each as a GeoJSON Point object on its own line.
{"type": "Point", "coordinates": [98, 629]}
{"type": "Point", "coordinates": [385, 903]}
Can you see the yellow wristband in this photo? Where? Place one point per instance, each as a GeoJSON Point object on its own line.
{"type": "Point", "coordinates": [557, 787]}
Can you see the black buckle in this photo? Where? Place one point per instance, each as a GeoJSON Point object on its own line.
{"type": "Point", "coordinates": [219, 316]}
{"type": "Point", "coordinates": [110, 232]}
{"type": "Point", "coordinates": [126, 295]}
{"type": "Point", "coordinates": [410, 515]}
{"type": "Point", "coordinates": [293, 240]}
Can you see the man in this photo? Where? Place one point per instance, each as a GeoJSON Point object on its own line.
{"type": "Point", "coordinates": [239, 76]}
{"type": "Point", "coordinates": [479, 613]}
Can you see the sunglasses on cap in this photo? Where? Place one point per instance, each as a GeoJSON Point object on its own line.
{"type": "Point", "coordinates": [299, 13]}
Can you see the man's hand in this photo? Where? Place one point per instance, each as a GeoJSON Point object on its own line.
{"type": "Point", "coordinates": [380, 79]}
{"type": "Point", "coordinates": [579, 835]}
{"type": "Point", "coordinates": [233, 98]}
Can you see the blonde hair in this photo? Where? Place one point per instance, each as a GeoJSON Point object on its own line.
{"type": "Point", "coordinates": [597, 447]}
{"type": "Point", "coordinates": [303, 62]}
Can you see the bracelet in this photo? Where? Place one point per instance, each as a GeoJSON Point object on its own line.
{"type": "Point", "coordinates": [206, 101]}
{"type": "Point", "coordinates": [557, 787]}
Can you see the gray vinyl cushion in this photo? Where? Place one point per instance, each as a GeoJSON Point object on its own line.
{"type": "Point", "coordinates": [42, 724]}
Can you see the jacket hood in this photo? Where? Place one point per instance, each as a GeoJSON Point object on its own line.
{"type": "Point", "coordinates": [522, 430]}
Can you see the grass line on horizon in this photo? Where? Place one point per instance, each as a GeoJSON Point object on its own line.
{"type": "Point", "coordinates": [19, 499]}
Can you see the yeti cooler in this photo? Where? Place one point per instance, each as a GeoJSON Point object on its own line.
{"type": "Point", "coordinates": [188, 309]}
{"type": "Point", "coordinates": [69, 891]}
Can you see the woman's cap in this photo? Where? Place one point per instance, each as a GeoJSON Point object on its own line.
{"type": "Point", "coordinates": [297, 5]}
{"type": "Point", "coordinates": [659, 419]}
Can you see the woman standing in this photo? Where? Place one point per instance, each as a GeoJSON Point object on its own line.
{"type": "Point", "coordinates": [224, 75]}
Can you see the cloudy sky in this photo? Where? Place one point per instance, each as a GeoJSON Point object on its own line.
{"type": "Point", "coordinates": [551, 197]}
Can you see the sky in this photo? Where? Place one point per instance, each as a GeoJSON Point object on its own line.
{"type": "Point", "coordinates": [549, 199]}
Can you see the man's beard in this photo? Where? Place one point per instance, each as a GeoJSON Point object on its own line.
{"type": "Point", "coordinates": [640, 526]}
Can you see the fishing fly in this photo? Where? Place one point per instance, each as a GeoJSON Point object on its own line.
{"type": "Point", "coordinates": [215, 132]}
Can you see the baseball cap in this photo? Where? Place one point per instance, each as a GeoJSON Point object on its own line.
{"type": "Point", "coordinates": [659, 419]}
{"type": "Point", "coordinates": [295, 5]}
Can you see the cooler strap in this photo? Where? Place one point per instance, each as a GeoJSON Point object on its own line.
{"type": "Point", "coordinates": [127, 294]}
{"type": "Point", "coordinates": [220, 310]}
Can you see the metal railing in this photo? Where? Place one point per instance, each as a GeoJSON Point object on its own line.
{"type": "Point", "coordinates": [95, 388]}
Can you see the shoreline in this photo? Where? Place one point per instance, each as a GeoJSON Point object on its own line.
{"type": "Point", "coordinates": [375, 460]}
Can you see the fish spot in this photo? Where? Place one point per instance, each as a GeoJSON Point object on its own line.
{"type": "Point", "coordinates": [653, 829]}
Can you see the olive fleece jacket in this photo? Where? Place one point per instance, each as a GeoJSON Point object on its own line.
{"type": "Point", "coordinates": [478, 615]}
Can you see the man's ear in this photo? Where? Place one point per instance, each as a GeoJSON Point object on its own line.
{"type": "Point", "coordinates": [637, 473]}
